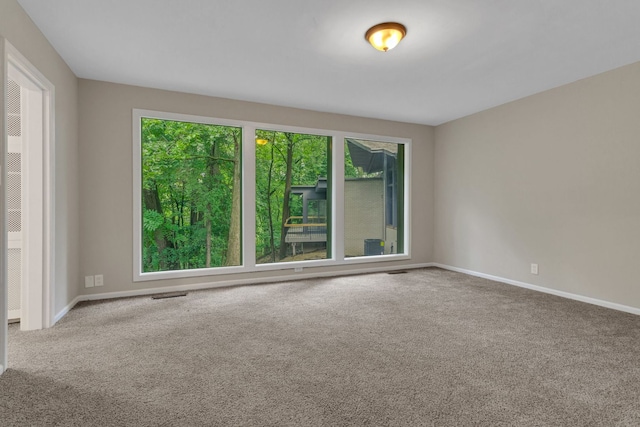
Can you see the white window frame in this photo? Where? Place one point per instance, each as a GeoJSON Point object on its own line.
{"type": "Point", "coordinates": [248, 198]}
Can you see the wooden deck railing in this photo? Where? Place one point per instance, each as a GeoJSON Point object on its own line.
{"type": "Point", "coordinates": [298, 231]}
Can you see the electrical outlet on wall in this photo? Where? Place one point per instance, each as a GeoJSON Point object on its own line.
{"type": "Point", "coordinates": [534, 269]}
{"type": "Point", "coordinates": [99, 280]}
{"type": "Point", "coordinates": [88, 282]}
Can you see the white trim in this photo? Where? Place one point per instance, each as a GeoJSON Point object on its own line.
{"type": "Point", "coordinates": [137, 194]}
{"type": "Point", "coordinates": [218, 271]}
{"type": "Point", "coordinates": [337, 196]}
{"type": "Point", "coordinates": [236, 282]}
{"type": "Point", "coordinates": [407, 199]}
{"type": "Point", "coordinates": [4, 288]}
{"type": "Point", "coordinates": [49, 212]}
{"type": "Point", "coordinates": [248, 198]}
{"type": "Point", "coordinates": [248, 171]}
{"type": "Point", "coordinates": [563, 294]}
{"type": "Point", "coordinates": [32, 248]}
{"type": "Point", "coordinates": [67, 308]}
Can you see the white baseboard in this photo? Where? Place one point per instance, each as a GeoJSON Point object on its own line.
{"type": "Point", "coordinates": [65, 310]}
{"type": "Point", "coordinates": [227, 283]}
{"type": "Point", "coordinates": [581, 298]}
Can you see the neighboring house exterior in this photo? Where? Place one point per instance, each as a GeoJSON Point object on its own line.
{"type": "Point", "coordinates": [364, 216]}
{"type": "Point", "coordinates": [380, 158]}
{"type": "Point", "coordinates": [370, 205]}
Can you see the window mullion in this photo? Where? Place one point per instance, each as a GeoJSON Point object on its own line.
{"type": "Point", "coordinates": [337, 211]}
{"type": "Point", "coordinates": [249, 196]}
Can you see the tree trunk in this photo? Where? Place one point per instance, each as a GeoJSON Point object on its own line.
{"type": "Point", "coordinates": [287, 195]}
{"type": "Point", "coordinates": [208, 240]}
{"type": "Point", "coordinates": [233, 243]}
{"type": "Point", "coordinates": [196, 216]}
{"type": "Point", "coordinates": [272, 245]}
{"type": "Point", "coordinates": [151, 200]}
{"type": "Point", "coordinates": [213, 170]}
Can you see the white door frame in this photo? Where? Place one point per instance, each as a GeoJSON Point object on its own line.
{"type": "Point", "coordinates": [38, 291]}
{"type": "Point", "coordinates": [4, 287]}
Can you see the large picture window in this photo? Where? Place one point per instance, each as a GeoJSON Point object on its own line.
{"type": "Point", "coordinates": [373, 198]}
{"type": "Point", "coordinates": [292, 175]}
{"type": "Point", "coordinates": [215, 196]}
{"type": "Point", "coordinates": [191, 202]}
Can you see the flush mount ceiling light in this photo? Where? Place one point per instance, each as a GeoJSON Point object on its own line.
{"type": "Point", "coordinates": [262, 141]}
{"type": "Point", "coordinates": [385, 36]}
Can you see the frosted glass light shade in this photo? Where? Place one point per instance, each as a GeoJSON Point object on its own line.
{"type": "Point", "coordinates": [385, 36]}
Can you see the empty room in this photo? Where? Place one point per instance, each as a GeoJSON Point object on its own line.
{"type": "Point", "coordinates": [319, 213]}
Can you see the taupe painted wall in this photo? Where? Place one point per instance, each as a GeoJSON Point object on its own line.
{"type": "Point", "coordinates": [19, 30]}
{"type": "Point", "coordinates": [552, 179]}
{"type": "Point", "coordinates": [106, 184]}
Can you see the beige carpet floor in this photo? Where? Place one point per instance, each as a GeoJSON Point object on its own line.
{"type": "Point", "coordinates": [429, 347]}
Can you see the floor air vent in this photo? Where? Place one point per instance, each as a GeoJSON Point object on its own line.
{"type": "Point", "coordinates": [169, 295]}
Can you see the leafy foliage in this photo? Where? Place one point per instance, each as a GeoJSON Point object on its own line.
{"type": "Point", "coordinates": [187, 185]}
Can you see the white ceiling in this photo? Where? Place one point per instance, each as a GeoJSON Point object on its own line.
{"type": "Point", "coordinates": [459, 56]}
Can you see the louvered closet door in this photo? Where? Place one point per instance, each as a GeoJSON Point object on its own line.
{"type": "Point", "coordinates": [14, 197]}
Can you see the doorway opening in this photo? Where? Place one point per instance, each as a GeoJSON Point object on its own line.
{"type": "Point", "coordinates": [29, 193]}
